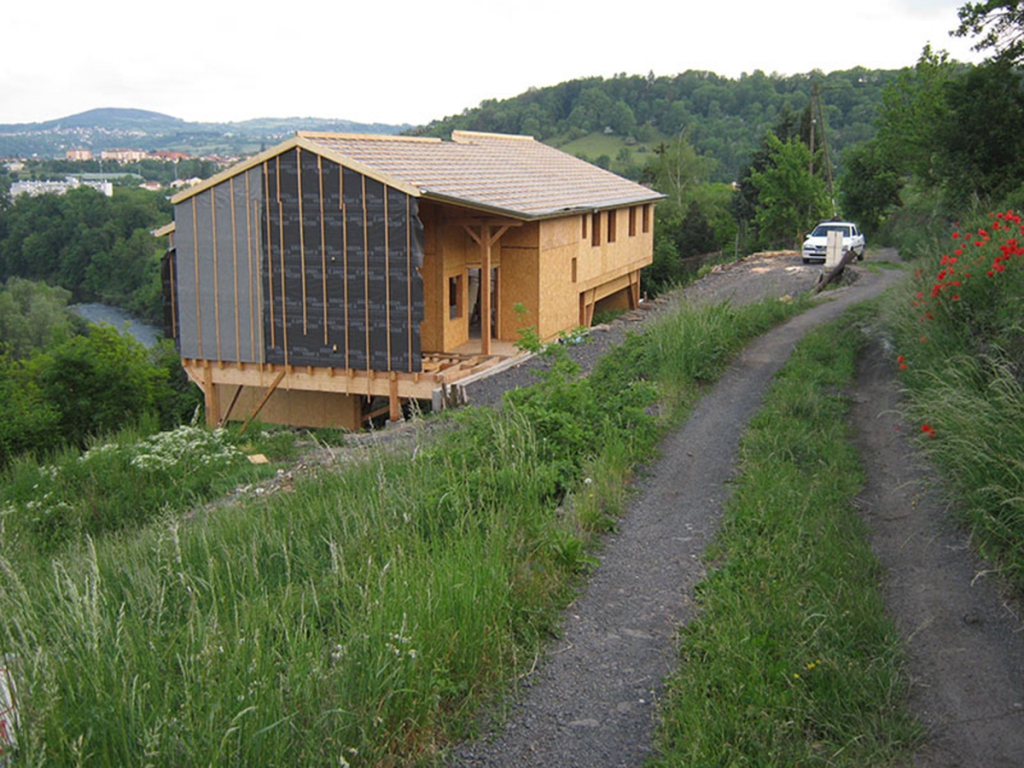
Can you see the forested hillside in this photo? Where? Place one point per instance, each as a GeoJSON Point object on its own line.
{"type": "Point", "coordinates": [98, 248]}
{"type": "Point", "coordinates": [99, 129]}
{"type": "Point", "coordinates": [723, 117]}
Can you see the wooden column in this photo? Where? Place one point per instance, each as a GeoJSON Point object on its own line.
{"type": "Point", "coordinates": [394, 401]}
{"type": "Point", "coordinates": [489, 234]}
{"type": "Point", "coordinates": [485, 286]}
{"type": "Point", "coordinates": [212, 400]}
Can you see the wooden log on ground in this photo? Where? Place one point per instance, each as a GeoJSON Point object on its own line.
{"type": "Point", "coordinates": [836, 271]}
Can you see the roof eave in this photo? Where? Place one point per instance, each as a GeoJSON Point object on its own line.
{"type": "Point", "coordinates": [539, 216]}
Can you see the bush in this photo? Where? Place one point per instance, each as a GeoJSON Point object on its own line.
{"type": "Point", "coordinates": [99, 382]}
{"type": "Point", "coordinates": [960, 346]}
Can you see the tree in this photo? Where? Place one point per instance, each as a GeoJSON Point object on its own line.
{"type": "Point", "coordinates": [678, 171]}
{"type": "Point", "coordinates": [980, 146]}
{"type": "Point", "coordinates": [696, 236]}
{"type": "Point", "coordinates": [913, 109]}
{"type": "Point", "coordinates": [99, 382]}
{"type": "Point", "coordinates": [746, 202]}
{"type": "Point", "coordinates": [870, 185]}
{"type": "Point", "coordinates": [32, 316]}
{"type": "Point", "coordinates": [27, 422]}
{"type": "Point", "coordinates": [998, 25]}
{"type": "Point", "coordinates": [790, 200]}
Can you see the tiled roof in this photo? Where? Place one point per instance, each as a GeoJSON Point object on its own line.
{"type": "Point", "coordinates": [512, 175]}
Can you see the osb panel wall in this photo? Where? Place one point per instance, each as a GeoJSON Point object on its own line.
{"type": "Point", "coordinates": [601, 270]}
{"type": "Point", "coordinates": [598, 264]}
{"type": "Point", "coordinates": [457, 251]}
{"type": "Point", "coordinates": [558, 294]}
{"type": "Point", "coordinates": [519, 282]}
{"type": "Point", "coordinates": [294, 407]}
{"type": "Point", "coordinates": [434, 289]}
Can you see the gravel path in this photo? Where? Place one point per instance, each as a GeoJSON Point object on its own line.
{"type": "Point", "coordinates": [963, 637]}
{"type": "Point", "coordinates": [591, 703]}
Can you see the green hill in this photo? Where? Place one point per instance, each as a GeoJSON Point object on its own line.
{"type": "Point", "coordinates": [724, 117]}
{"type": "Point", "coordinates": [111, 128]}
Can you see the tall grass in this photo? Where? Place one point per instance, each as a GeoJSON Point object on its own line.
{"type": "Point", "coordinates": [792, 660]}
{"type": "Point", "coordinates": [959, 344]}
{"type": "Point", "coordinates": [360, 618]}
{"type": "Point", "coordinates": [692, 346]}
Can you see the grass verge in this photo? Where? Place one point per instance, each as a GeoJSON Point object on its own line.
{"type": "Point", "coordinates": [792, 660]}
{"type": "Point", "coordinates": [959, 344]}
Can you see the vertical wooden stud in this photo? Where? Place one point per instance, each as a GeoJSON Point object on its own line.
{"type": "Point", "coordinates": [302, 239]}
{"type": "Point", "coordinates": [323, 241]}
{"type": "Point", "coordinates": [195, 254]}
{"type": "Point", "coordinates": [216, 268]}
{"type": "Point", "coordinates": [234, 270]}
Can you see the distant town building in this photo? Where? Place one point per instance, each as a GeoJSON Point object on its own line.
{"type": "Point", "coordinates": [181, 183]}
{"type": "Point", "coordinates": [152, 186]}
{"type": "Point", "coordinates": [36, 188]}
{"type": "Point", "coordinates": [169, 156]}
{"type": "Point", "coordinates": [78, 154]}
{"type": "Point", "coordinates": [14, 166]}
{"type": "Point", "coordinates": [123, 155]}
{"type": "Point", "coordinates": [221, 161]}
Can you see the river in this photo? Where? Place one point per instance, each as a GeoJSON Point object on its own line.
{"type": "Point", "coordinates": [145, 334]}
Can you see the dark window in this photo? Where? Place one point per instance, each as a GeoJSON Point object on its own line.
{"type": "Point", "coordinates": [454, 297]}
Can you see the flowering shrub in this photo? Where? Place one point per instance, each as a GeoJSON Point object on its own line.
{"type": "Point", "coordinates": [972, 300]}
{"type": "Point", "coordinates": [186, 447]}
{"type": "Point", "coordinates": [123, 482]}
{"type": "Point", "coordinates": [960, 332]}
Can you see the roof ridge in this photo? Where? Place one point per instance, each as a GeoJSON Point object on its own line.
{"type": "Point", "coordinates": [366, 136]}
{"type": "Point", "coordinates": [466, 136]}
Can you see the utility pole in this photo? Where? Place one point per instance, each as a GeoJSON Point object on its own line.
{"type": "Point", "coordinates": [816, 116]}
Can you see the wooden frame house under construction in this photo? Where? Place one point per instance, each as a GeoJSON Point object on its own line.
{"type": "Point", "coordinates": [333, 270]}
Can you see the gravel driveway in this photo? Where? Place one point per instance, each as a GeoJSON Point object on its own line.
{"type": "Point", "coordinates": [591, 703]}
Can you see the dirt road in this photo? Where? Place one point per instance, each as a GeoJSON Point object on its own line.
{"type": "Point", "coordinates": [590, 703]}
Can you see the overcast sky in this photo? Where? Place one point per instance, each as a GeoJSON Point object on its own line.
{"type": "Point", "coordinates": [410, 62]}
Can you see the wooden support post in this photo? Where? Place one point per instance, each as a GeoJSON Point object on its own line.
{"type": "Point", "coordinates": [262, 402]}
{"type": "Point", "coordinates": [486, 240]}
{"type": "Point", "coordinates": [211, 399]}
{"type": "Point", "coordinates": [485, 288]}
{"type": "Point", "coordinates": [394, 401]}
